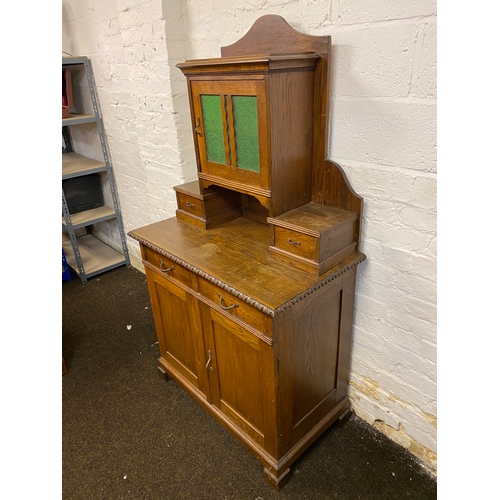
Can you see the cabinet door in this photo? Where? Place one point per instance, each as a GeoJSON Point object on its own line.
{"type": "Point", "coordinates": [178, 327]}
{"type": "Point", "coordinates": [313, 367]}
{"type": "Point", "coordinates": [241, 375]}
{"type": "Point", "coordinates": [231, 130]}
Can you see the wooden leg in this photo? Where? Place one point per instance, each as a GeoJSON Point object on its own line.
{"type": "Point", "coordinates": [277, 482]}
{"type": "Point", "coordinates": [163, 375]}
{"type": "Point", "coordinates": [341, 421]}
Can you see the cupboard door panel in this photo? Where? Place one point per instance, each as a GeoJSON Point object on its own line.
{"type": "Point", "coordinates": [178, 327]}
{"type": "Point", "coordinates": [230, 128]}
{"type": "Point", "coordinates": [237, 377]}
{"type": "Point", "coordinates": [315, 347]}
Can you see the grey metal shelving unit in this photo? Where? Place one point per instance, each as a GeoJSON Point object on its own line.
{"type": "Point", "coordinates": [85, 251]}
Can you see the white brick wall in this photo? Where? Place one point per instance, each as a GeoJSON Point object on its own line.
{"type": "Point", "coordinates": [382, 131]}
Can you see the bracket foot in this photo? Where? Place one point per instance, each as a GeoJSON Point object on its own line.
{"type": "Point", "coordinates": [275, 481]}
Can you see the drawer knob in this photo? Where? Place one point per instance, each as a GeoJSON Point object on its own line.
{"type": "Point", "coordinates": [226, 307]}
{"type": "Point", "coordinates": [164, 269]}
{"type": "Point", "coordinates": [293, 242]}
{"type": "Point", "coordinates": [189, 204]}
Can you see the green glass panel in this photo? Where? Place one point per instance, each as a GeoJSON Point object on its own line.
{"type": "Point", "coordinates": [213, 127]}
{"type": "Point", "coordinates": [246, 132]}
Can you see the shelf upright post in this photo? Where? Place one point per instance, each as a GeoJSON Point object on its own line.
{"type": "Point", "coordinates": [95, 104]}
{"type": "Point", "coordinates": [72, 238]}
{"type": "Point", "coordinates": [67, 140]}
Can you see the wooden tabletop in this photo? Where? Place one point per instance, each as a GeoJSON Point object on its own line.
{"type": "Point", "coordinates": [236, 254]}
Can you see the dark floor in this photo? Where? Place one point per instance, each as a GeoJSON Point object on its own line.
{"type": "Point", "coordinates": [129, 434]}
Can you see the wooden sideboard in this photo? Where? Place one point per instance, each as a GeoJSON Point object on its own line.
{"type": "Point", "coordinates": [252, 283]}
{"type": "Point", "coordinates": [262, 346]}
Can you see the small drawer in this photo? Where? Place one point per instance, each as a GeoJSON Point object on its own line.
{"type": "Point", "coordinates": [189, 204]}
{"type": "Point", "coordinates": [313, 237]}
{"type": "Point", "coordinates": [167, 267]}
{"type": "Point", "coordinates": [296, 243]}
{"type": "Point", "coordinates": [236, 307]}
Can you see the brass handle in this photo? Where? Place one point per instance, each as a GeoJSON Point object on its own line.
{"type": "Point", "coordinates": [189, 204]}
{"type": "Point", "coordinates": [197, 127]}
{"type": "Point", "coordinates": [209, 361]}
{"type": "Point", "coordinates": [226, 307]}
{"type": "Point", "coordinates": [293, 242]}
{"type": "Point", "coordinates": [164, 269]}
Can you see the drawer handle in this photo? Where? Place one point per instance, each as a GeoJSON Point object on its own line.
{"type": "Point", "coordinates": [293, 242]}
{"type": "Point", "coordinates": [189, 204]}
{"type": "Point", "coordinates": [198, 133]}
{"type": "Point", "coordinates": [164, 269]}
{"type": "Point", "coordinates": [209, 361]}
{"type": "Point", "coordinates": [226, 307]}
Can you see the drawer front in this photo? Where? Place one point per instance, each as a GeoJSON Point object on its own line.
{"type": "Point", "coordinates": [190, 204]}
{"type": "Point", "coordinates": [337, 239]}
{"type": "Point", "coordinates": [296, 243]}
{"type": "Point", "coordinates": [235, 307]}
{"type": "Point", "coordinates": [167, 267]}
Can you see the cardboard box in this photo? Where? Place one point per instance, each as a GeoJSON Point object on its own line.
{"type": "Point", "coordinates": [67, 92]}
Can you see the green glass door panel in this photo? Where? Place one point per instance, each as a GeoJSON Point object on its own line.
{"type": "Point", "coordinates": [213, 128]}
{"type": "Point", "coordinates": [246, 132]}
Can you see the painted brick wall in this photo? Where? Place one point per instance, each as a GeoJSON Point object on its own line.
{"type": "Point", "coordinates": [382, 131]}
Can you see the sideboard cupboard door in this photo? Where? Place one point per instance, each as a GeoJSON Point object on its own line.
{"type": "Point", "coordinates": [231, 130]}
{"type": "Point", "coordinates": [178, 328]}
{"type": "Point", "coordinates": [241, 377]}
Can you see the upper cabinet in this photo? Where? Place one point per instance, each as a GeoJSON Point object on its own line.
{"type": "Point", "coordinates": [253, 125]}
{"type": "Point", "coordinates": [259, 116]}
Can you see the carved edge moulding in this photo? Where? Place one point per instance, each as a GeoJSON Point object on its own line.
{"type": "Point", "coordinates": [249, 300]}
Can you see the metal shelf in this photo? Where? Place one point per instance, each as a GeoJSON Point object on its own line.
{"type": "Point", "coordinates": [70, 60]}
{"type": "Point", "coordinates": [89, 217]}
{"type": "Point", "coordinates": [87, 254]}
{"type": "Point", "coordinates": [78, 119]}
{"type": "Point", "coordinates": [75, 165]}
{"type": "Point", "coordinates": [96, 256]}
